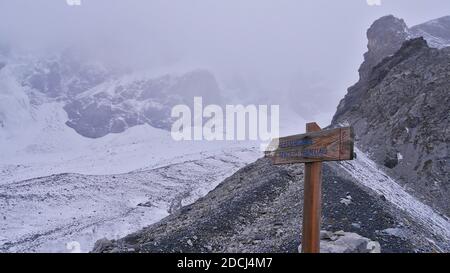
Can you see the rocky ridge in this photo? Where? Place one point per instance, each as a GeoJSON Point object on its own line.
{"type": "Point", "coordinates": [399, 110]}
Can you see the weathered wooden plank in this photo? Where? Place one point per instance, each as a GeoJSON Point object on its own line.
{"type": "Point", "coordinates": [326, 145]}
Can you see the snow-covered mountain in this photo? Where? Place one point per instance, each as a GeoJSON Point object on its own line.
{"type": "Point", "coordinates": [395, 191]}
{"type": "Point", "coordinates": [387, 34]}
{"type": "Point", "coordinates": [116, 105]}
{"type": "Point", "coordinates": [399, 107]}
{"type": "Point", "coordinates": [58, 186]}
{"type": "Point", "coordinates": [436, 32]}
{"type": "Point", "coordinates": [51, 108]}
{"type": "Point", "coordinates": [60, 76]}
{"type": "Point", "coordinates": [86, 154]}
{"type": "Point", "coordinates": [100, 100]}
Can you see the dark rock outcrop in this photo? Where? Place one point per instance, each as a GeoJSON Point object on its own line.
{"type": "Point", "coordinates": [116, 106]}
{"type": "Point", "coordinates": [400, 112]}
{"type": "Point", "coordinates": [385, 37]}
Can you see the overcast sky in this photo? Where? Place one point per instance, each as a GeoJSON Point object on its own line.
{"type": "Point", "coordinates": [274, 45]}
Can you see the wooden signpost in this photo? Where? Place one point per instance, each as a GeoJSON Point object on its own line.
{"type": "Point", "coordinates": [312, 148]}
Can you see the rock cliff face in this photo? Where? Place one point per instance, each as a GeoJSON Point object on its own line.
{"type": "Point", "coordinates": [400, 107]}
{"type": "Point", "coordinates": [385, 37]}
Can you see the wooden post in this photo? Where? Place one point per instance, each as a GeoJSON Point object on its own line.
{"type": "Point", "coordinates": [312, 148]}
{"type": "Point", "coordinates": [312, 202]}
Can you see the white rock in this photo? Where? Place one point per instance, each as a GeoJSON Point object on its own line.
{"type": "Point", "coordinates": [346, 201]}
{"type": "Point", "coordinates": [346, 242]}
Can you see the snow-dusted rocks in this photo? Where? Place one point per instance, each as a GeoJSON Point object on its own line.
{"type": "Point", "coordinates": [61, 76]}
{"type": "Point", "coordinates": [366, 173]}
{"type": "Point", "coordinates": [117, 105]}
{"type": "Point", "coordinates": [346, 242]}
{"type": "Point", "coordinates": [436, 32]}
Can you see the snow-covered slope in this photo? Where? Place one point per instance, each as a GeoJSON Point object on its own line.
{"type": "Point", "coordinates": [35, 140]}
{"type": "Point", "coordinates": [366, 172]}
{"type": "Point", "coordinates": [436, 32]}
{"type": "Point", "coordinates": [44, 214]}
{"type": "Point", "coordinates": [47, 146]}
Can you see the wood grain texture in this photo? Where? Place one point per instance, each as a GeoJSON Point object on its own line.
{"type": "Point", "coordinates": [312, 203]}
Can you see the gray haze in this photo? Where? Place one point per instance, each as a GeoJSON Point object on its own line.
{"type": "Point", "coordinates": [272, 49]}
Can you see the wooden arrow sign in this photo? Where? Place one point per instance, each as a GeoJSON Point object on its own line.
{"type": "Point", "coordinates": [312, 148]}
{"type": "Point", "coordinates": [326, 145]}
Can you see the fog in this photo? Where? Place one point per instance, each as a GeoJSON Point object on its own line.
{"type": "Point", "coordinates": [274, 50]}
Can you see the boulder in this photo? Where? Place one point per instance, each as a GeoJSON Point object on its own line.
{"type": "Point", "coordinates": [102, 245]}
{"type": "Point", "coordinates": [346, 242]}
